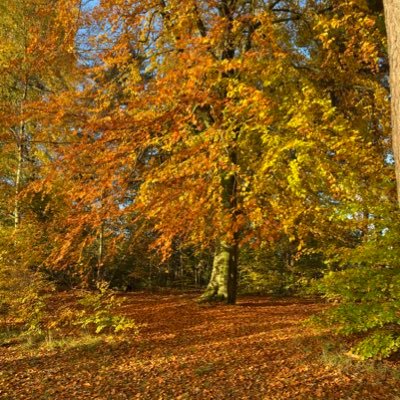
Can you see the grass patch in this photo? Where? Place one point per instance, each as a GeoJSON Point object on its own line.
{"type": "Point", "coordinates": [10, 337]}
{"type": "Point", "coordinates": [205, 369]}
{"type": "Point", "coordinates": [85, 342]}
{"type": "Point", "coordinates": [336, 354]}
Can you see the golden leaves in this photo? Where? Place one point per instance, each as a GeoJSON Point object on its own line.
{"type": "Point", "coordinates": [183, 99]}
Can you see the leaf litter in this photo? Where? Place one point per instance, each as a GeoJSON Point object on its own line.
{"type": "Point", "coordinates": [257, 349]}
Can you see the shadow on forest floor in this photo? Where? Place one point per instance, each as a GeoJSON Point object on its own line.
{"type": "Point", "coordinates": [260, 349]}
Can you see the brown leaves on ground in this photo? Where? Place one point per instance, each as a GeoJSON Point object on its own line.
{"type": "Point", "coordinates": [258, 349]}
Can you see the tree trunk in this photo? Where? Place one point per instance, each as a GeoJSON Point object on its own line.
{"type": "Point", "coordinates": [233, 273]}
{"type": "Point", "coordinates": [392, 20]}
{"type": "Point", "coordinates": [18, 174]}
{"type": "Point", "coordinates": [20, 160]}
{"type": "Point", "coordinates": [223, 280]}
{"type": "Point", "coordinates": [100, 251]}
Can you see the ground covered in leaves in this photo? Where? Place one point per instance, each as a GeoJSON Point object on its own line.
{"type": "Point", "coordinates": [258, 349]}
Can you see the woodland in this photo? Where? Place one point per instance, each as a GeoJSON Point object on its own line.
{"type": "Point", "coordinates": [199, 199]}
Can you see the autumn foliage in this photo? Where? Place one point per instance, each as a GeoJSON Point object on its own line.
{"type": "Point", "coordinates": [229, 145]}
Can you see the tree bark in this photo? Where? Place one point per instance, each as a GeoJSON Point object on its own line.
{"type": "Point", "coordinates": [392, 20]}
{"type": "Point", "coordinates": [18, 174]}
{"type": "Point", "coordinates": [100, 251]}
{"type": "Point", "coordinates": [20, 160]}
{"type": "Point", "coordinates": [223, 280]}
{"type": "Point", "coordinates": [233, 273]}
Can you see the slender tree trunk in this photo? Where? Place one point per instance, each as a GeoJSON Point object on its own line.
{"type": "Point", "coordinates": [100, 264]}
{"type": "Point", "coordinates": [233, 273]}
{"type": "Point", "coordinates": [18, 175]}
{"type": "Point", "coordinates": [20, 159]}
{"type": "Point", "coordinates": [392, 20]}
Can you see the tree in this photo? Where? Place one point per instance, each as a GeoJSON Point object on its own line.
{"type": "Point", "coordinates": [392, 20]}
{"type": "Point", "coordinates": [36, 61]}
{"type": "Point", "coordinates": [219, 125]}
{"type": "Point", "coordinates": [153, 51]}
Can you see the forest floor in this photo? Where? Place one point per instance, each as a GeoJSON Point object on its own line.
{"type": "Point", "coordinates": [258, 349]}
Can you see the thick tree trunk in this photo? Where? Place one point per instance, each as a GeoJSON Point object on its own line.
{"type": "Point", "coordinates": [217, 289]}
{"type": "Point", "coordinates": [223, 280]}
{"type": "Point", "coordinates": [392, 20]}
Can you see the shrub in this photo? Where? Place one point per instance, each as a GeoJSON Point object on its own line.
{"type": "Point", "coordinates": [367, 303]}
{"type": "Point", "coordinates": [97, 313]}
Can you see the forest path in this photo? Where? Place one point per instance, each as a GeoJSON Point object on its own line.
{"type": "Point", "coordinates": [258, 349]}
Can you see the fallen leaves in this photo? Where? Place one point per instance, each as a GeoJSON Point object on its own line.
{"type": "Point", "coordinates": [258, 349]}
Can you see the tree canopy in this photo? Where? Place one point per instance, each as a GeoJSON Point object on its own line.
{"type": "Point", "coordinates": [221, 140]}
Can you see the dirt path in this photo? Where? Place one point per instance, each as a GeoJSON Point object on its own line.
{"type": "Point", "coordinates": [258, 349]}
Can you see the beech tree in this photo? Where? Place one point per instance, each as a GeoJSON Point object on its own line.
{"type": "Point", "coordinates": [152, 50]}
{"type": "Point", "coordinates": [219, 125]}
{"type": "Point", "coordinates": [392, 20]}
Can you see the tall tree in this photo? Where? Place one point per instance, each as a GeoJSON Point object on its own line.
{"type": "Point", "coordinates": [200, 119]}
{"type": "Point", "coordinates": [36, 61]}
{"type": "Point", "coordinates": [392, 20]}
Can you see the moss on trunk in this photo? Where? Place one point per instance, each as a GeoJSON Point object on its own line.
{"type": "Point", "coordinates": [222, 284]}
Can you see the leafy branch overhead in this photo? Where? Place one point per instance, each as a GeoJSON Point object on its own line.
{"type": "Point", "coordinates": [227, 146]}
